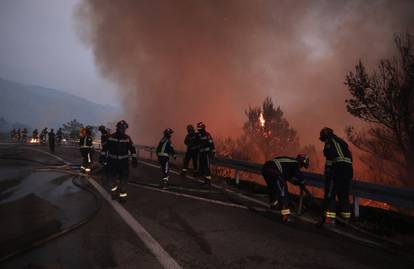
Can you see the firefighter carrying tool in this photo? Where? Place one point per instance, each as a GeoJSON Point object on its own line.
{"type": "Point", "coordinates": [276, 173]}
{"type": "Point", "coordinates": [86, 148]}
{"type": "Point", "coordinates": [164, 151]}
{"type": "Point", "coordinates": [117, 150]}
{"type": "Point", "coordinates": [193, 146]}
{"type": "Point", "coordinates": [207, 152]}
{"type": "Point", "coordinates": [338, 176]}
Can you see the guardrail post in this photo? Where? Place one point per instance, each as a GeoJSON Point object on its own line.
{"type": "Point", "coordinates": [356, 206]}
{"type": "Point", "coordinates": [237, 176]}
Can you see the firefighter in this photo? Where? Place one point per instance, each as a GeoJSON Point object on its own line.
{"type": "Point", "coordinates": [117, 148]}
{"type": "Point", "coordinates": [164, 151]}
{"type": "Point", "coordinates": [206, 152]}
{"type": "Point", "coordinates": [338, 176]}
{"type": "Point", "coordinates": [59, 135]}
{"type": "Point", "coordinates": [192, 142]}
{"type": "Point", "coordinates": [43, 135]}
{"type": "Point", "coordinates": [52, 141]}
{"type": "Point", "coordinates": [35, 135]}
{"type": "Point", "coordinates": [24, 135]}
{"type": "Point", "coordinates": [13, 134]}
{"type": "Point", "coordinates": [104, 141]}
{"type": "Point", "coordinates": [86, 147]}
{"type": "Point", "coordinates": [19, 135]}
{"type": "Point", "coordinates": [276, 173]}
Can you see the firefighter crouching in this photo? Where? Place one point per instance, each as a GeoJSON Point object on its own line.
{"type": "Point", "coordinates": [276, 173]}
{"type": "Point", "coordinates": [86, 148]}
{"type": "Point", "coordinates": [207, 152]}
{"type": "Point", "coordinates": [117, 150]}
{"type": "Point", "coordinates": [338, 176]}
{"type": "Point", "coordinates": [193, 146]}
{"type": "Point", "coordinates": [164, 151]}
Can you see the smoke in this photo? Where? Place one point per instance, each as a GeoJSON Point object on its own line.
{"type": "Point", "coordinates": [184, 61]}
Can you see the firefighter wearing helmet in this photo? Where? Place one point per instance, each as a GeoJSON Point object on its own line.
{"type": "Point", "coordinates": [207, 151]}
{"type": "Point", "coordinates": [165, 149]}
{"type": "Point", "coordinates": [193, 146]}
{"type": "Point", "coordinates": [338, 176]}
{"type": "Point", "coordinates": [119, 148]}
{"type": "Point", "coordinates": [277, 172]}
{"type": "Point", "coordinates": [86, 148]}
{"type": "Point", "coordinates": [104, 141]}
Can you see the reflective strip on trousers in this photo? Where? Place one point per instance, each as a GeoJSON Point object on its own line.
{"type": "Point", "coordinates": [285, 211]}
{"type": "Point", "coordinates": [114, 188]}
{"type": "Point", "coordinates": [346, 215]}
{"type": "Point", "coordinates": [163, 154]}
{"type": "Point", "coordinates": [329, 214]}
{"type": "Point", "coordinates": [123, 194]}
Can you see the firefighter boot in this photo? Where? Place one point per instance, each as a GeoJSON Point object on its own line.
{"type": "Point", "coordinates": [164, 183]}
{"type": "Point", "coordinates": [123, 196]}
{"type": "Point", "coordinates": [114, 193]}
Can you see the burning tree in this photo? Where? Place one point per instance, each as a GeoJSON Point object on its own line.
{"type": "Point", "coordinates": [269, 132]}
{"type": "Point", "coordinates": [385, 99]}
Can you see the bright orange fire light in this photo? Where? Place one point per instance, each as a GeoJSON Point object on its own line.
{"type": "Point", "coordinates": [262, 120]}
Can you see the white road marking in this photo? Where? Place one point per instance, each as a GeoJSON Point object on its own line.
{"type": "Point", "coordinates": [212, 201]}
{"type": "Point", "coordinates": [162, 256]}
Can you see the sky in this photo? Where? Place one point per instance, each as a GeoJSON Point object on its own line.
{"type": "Point", "coordinates": [174, 62]}
{"type": "Point", "coordinates": [39, 45]}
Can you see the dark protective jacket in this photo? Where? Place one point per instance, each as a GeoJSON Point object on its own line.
{"type": "Point", "coordinates": [119, 146]}
{"type": "Point", "coordinates": [336, 151]}
{"type": "Point", "coordinates": [206, 142]}
{"type": "Point", "coordinates": [165, 148]}
{"type": "Point", "coordinates": [85, 142]}
{"type": "Point", "coordinates": [52, 138]}
{"type": "Point", "coordinates": [192, 141]}
{"type": "Point", "coordinates": [286, 167]}
{"type": "Point", "coordinates": [104, 139]}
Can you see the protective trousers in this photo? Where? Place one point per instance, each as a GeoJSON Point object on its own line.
{"type": "Point", "coordinates": [118, 173]}
{"type": "Point", "coordinates": [204, 159]}
{"type": "Point", "coordinates": [278, 190]}
{"type": "Point", "coordinates": [338, 184]}
{"type": "Point", "coordinates": [193, 156]}
{"type": "Point", "coordinates": [87, 158]}
{"type": "Point", "coordinates": [165, 167]}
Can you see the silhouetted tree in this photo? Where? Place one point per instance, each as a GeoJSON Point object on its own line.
{"type": "Point", "coordinates": [385, 99]}
{"type": "Point", "coordinates": [269, 132]}
{"type": "Point", "coordinates": [72, 128]}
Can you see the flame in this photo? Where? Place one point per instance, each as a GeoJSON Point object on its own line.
{"type": "Point", "coordinates": [262, 120]}
{"type": "Point", "coordinates": [34, 141]}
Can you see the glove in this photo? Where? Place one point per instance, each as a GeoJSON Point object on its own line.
{"type": "Point", "coordinates": [212, 155]}
{"type": "Point", "coordinates": [134, 162]}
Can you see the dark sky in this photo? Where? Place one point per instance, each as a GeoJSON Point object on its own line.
{"type": "Point", "coordinates": [39, 46]}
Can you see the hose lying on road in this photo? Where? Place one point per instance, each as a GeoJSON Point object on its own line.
{"type": "Point", "coordinates": [62, 232]}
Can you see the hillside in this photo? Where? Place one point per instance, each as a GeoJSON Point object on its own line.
{"type": "Point", "coordinates": [37, 106]}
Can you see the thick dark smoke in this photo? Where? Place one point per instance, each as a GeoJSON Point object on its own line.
{"type": "Point", "coordinates": [183, 61]}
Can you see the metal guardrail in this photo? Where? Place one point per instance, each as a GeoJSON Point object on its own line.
{"type": "Point", "coordinates": [399, 197]}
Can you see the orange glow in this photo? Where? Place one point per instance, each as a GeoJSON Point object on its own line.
{"type": "Point", "coordinates": [34, 141]}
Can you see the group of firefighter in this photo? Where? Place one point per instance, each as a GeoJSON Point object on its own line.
{"type": "Point", "coordinates": [45, 136]}
{"type": "Point", "coordinates": [118, 148]}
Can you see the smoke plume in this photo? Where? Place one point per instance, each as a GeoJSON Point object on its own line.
{"type": "Point", "coordinates": [184, 61]}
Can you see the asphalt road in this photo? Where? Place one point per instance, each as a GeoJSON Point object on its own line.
{"type": "Point", "coordinates": [196, 227]}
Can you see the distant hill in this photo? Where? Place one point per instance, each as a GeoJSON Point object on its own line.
{"type": "Point", "coordinates": [38, 107]}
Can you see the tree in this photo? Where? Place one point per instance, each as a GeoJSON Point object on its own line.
{"type": "Point", "coordinates": [385, 99]}
{"type": "Point", "coordinates": [72, 128]}
{"type": "Point", "coordinates": [268, 131]}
